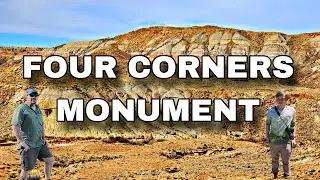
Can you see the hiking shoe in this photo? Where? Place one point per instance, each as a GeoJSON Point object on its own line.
{"type": "Point", "coordinates": [286, 176]}
{"type": "Point", "coordinates": [275, 175]}
{"type": "Point", "coordinates": [34, 177]}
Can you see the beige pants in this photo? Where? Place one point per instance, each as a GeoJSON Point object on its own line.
{"type": "Point", "coordinates": [285, 151]}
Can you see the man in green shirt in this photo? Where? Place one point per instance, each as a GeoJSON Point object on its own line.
{"type": "Point", "coordinates": [28, 127]}
{"type": "Point", "coordinates": [280, 119]}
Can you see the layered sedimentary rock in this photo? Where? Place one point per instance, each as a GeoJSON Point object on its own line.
{"type": "Point", "coordinates": [152, 42]}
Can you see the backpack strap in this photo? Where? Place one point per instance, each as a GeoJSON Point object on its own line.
{"type": "Point", "coordinates": [280, 116]}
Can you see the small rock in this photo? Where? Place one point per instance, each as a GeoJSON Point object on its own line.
{"type": "Point", "coordinates": [311, 171]}
{"type": "Point", "coordinates": [194, 136]}
{"type": "Point", "coordinates": [228, 133]}
{"type": "Point", "coordinates": [230, 149]}
{"type": "Point", "coordinates": [209, 152]}
{"type": "Point", "coordinates": [238, 134]}
{"type": "Point", "coordinates": [172, 170]}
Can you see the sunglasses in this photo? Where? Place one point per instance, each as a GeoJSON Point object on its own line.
{"type": "Point", "coordinates": [280, 99]}
{"type": "Point", "coordinates": [33, 95]}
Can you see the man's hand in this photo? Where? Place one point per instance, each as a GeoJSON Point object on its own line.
{"type": "Point", "coordinates": [26, 147]}
{"type": "Point", "coordinates": [17, 132]}
{"type": "Point", "coordinates": [45, 142]}
{"type": "Point", "coordinates": [294, 143]}
{"type": "Point", "coordinates": [267, 140]}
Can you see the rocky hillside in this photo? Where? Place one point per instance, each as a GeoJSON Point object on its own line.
{"type": "Point", "coordinates": [198, 41]}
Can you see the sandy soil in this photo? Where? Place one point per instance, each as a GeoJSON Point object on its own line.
{"type": "Point", "coordinates": [204, 157]}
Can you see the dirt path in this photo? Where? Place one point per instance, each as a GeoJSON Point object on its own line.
{"type": "Point", "coordinates": [207, 157]}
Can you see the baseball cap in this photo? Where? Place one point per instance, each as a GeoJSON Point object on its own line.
{"type": "Point", "coordinates": [32, 91]}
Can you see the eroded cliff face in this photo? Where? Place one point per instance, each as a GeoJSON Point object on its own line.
{"type": "Point", "coordinates": [208, 40]}
{"type": "Point", "coordinates": [151, 42]}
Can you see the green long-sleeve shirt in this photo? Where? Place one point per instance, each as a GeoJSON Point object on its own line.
{"type": "Point", "coordinates": [277, 125]}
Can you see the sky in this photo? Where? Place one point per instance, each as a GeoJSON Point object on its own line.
{"type": "Point", "coordinates": [44, 23]}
